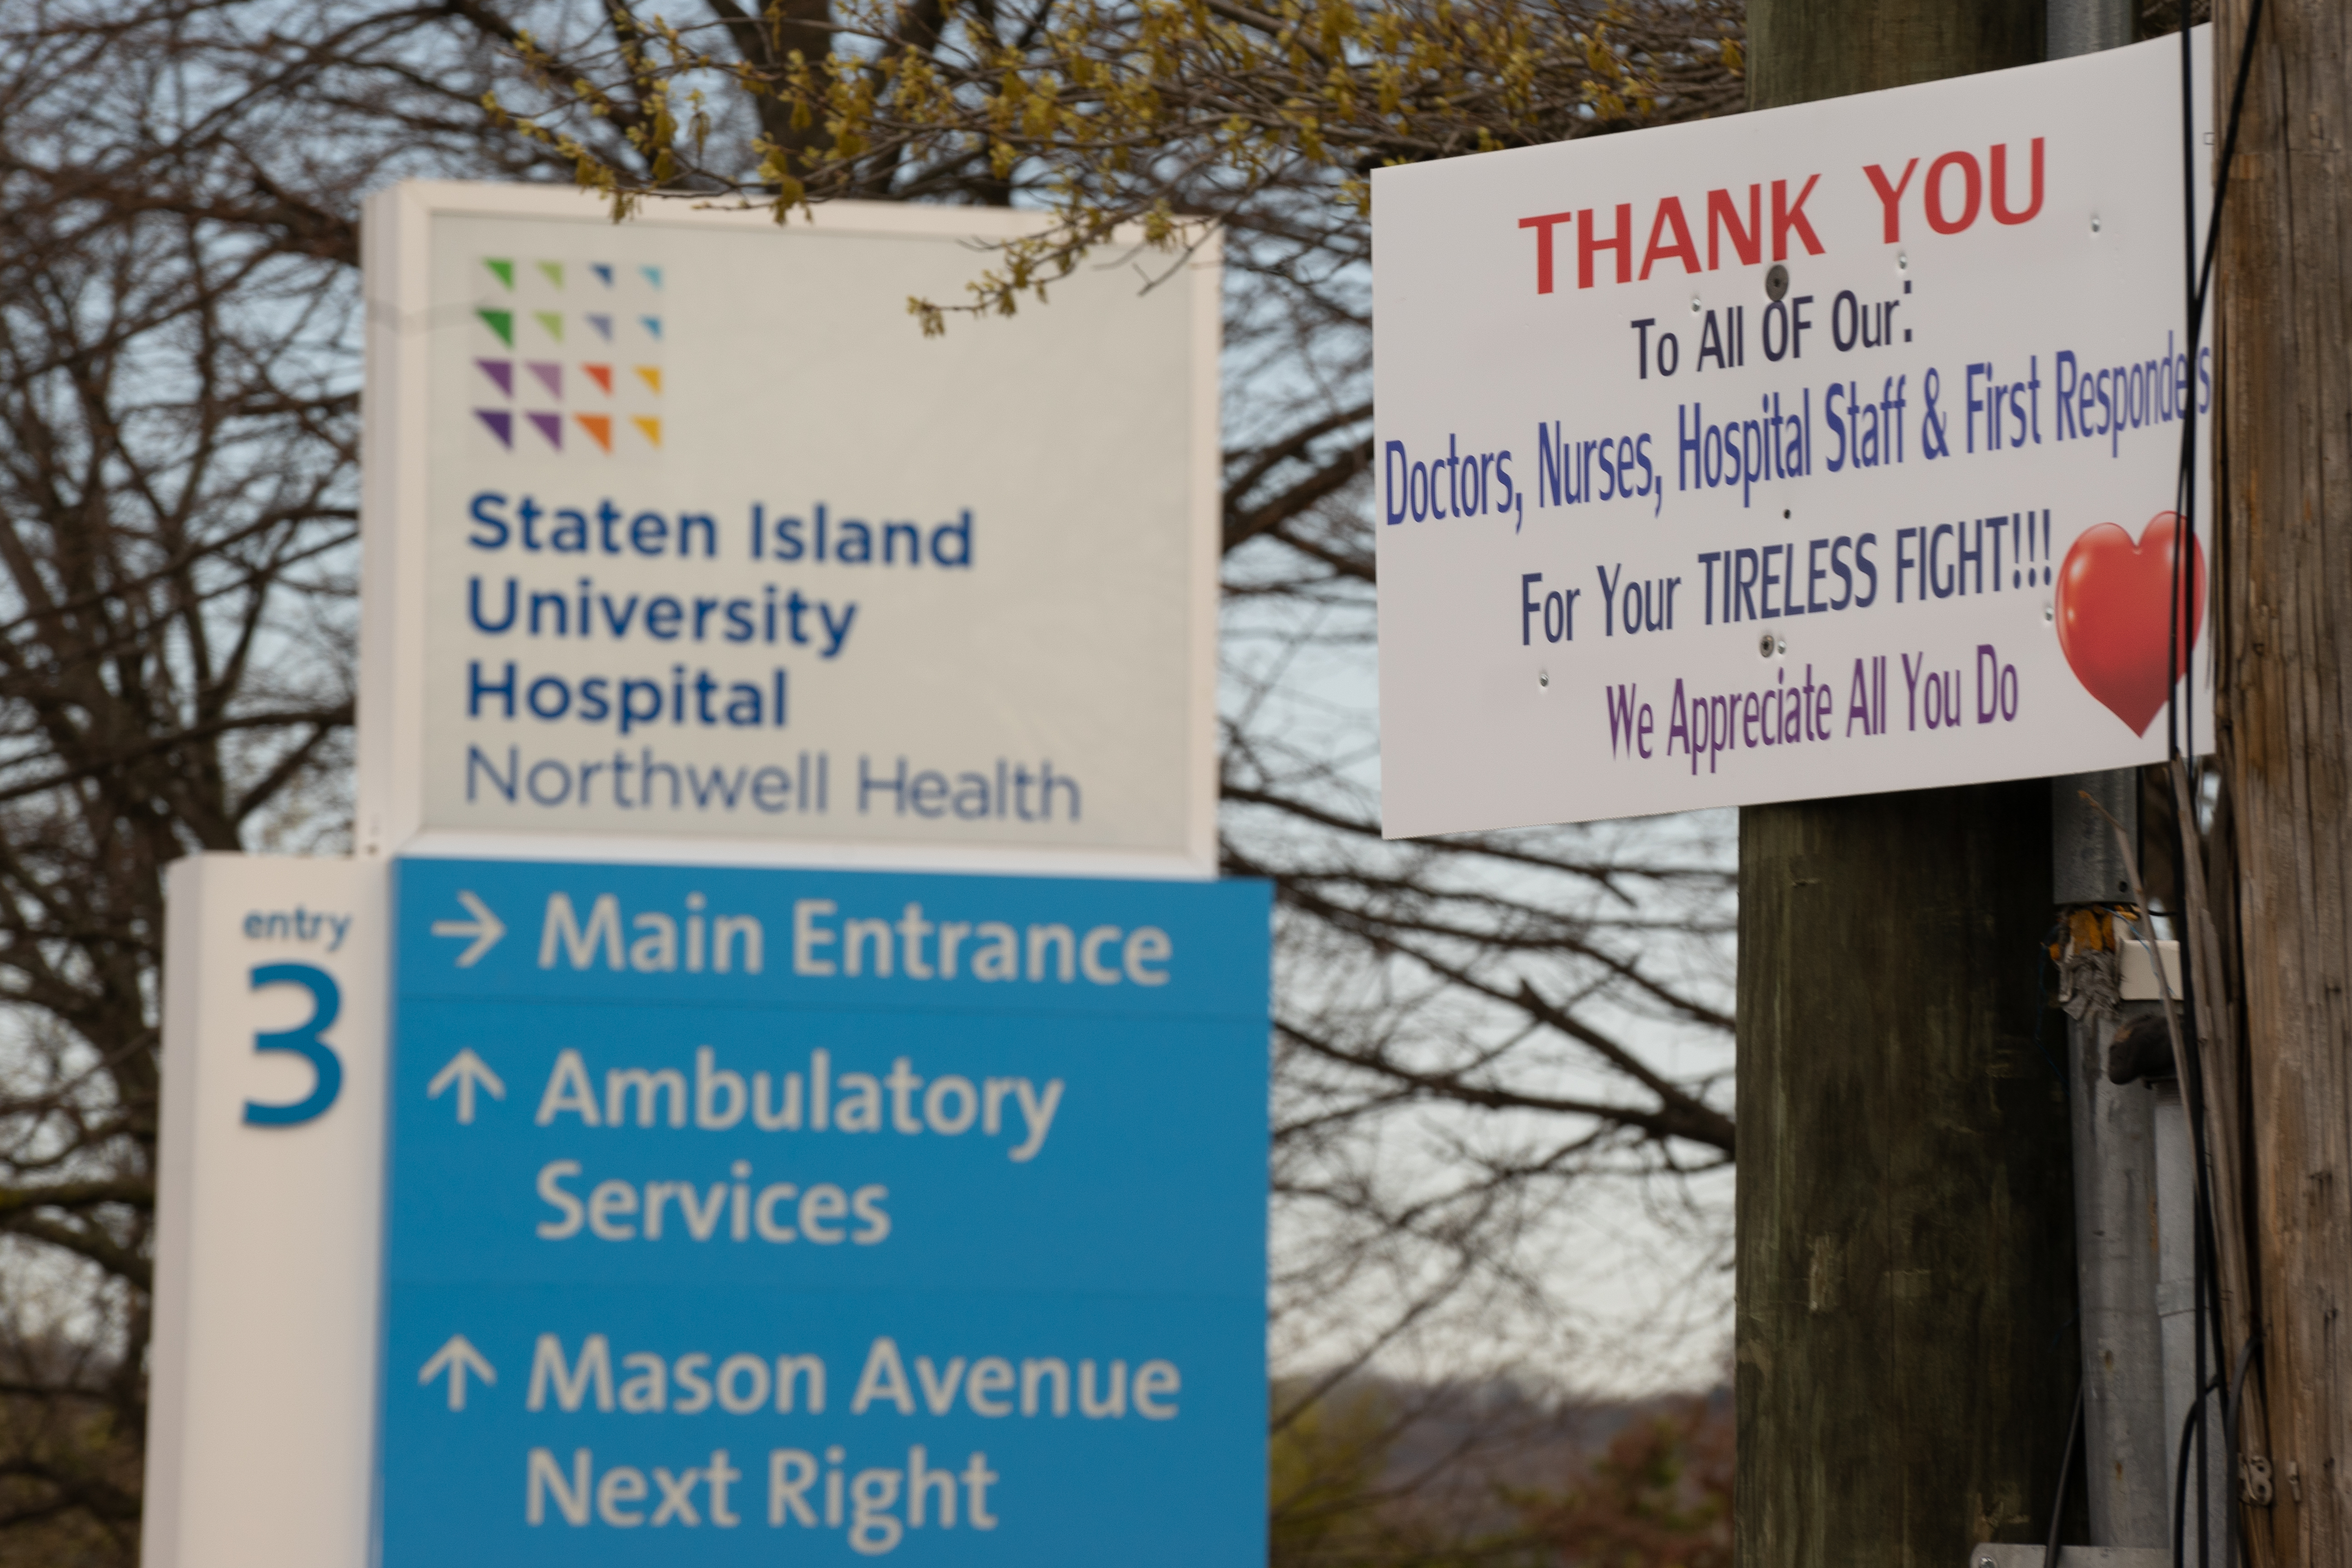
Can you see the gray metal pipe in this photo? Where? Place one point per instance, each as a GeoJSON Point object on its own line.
{"type": "Point", "coordinates": [2086, 27]}
{"type": "Point", "coordinates": [2126, 1465]}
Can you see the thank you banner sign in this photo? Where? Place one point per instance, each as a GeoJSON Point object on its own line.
{"type": "Point", "coordinates": [1812, 452]}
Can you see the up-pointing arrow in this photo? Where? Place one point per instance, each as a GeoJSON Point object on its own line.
{"type": "Point", "coordinates": [485, 927]}
{"type": "Point", "coordinates": [458, 1357]}
{"type": "Point", "coordinates": [467, 1071]}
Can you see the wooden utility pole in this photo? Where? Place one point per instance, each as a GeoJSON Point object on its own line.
{"type": "Point", "coordinates": [1905, 1278]}
{"type": "Point", "coordinates": [2284, 331]}
{"type": "Point", "coordinates": [1802, 50]}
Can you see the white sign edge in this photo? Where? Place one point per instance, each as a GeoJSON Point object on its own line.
{"type": "Point", "coordinates": [189, 1297]}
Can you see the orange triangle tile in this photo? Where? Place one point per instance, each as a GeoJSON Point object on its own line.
{"type": "Point", "coordinates": [652, 427]}
{"type": "Point", "coordinates": [602, 374]}
{"type": "Point", "coordinates": [599, 427]}
{"type": "Point", "coordinates": [651, 374]}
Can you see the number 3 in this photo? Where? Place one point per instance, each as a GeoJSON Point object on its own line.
{"type": "Point", "coordinates": [326, 1002]}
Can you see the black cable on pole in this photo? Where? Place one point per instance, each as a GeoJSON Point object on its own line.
{"type": "Point", "coordinates": [2065, 1473]}
{"type": "Point", "coordinates": [2180, 741]}
{"type": "Point", "coordinates": [2191, 1426]}
{"type": "Point", "coordinates": [2229, 152]}
{"type": "Point", "coordinates": [2180, 727]}
{"type": "Point", "coordinates": [2229, 1412]}
{"type": "Point", "coordinates": [2199, 1273]}
{"type": "Point", "coordinates": [2199, 292]}
{"type": "Point", "coordinates": [2201, 280]}
{"type": "Point", "coordinates": [2185, 502]}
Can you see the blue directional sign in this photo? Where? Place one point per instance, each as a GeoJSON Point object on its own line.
{"type": "Point", "coordinates": [763, 1215]}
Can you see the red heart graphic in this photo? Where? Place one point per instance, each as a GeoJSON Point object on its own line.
{"type": "Point", "coordinates": [2111, 616]}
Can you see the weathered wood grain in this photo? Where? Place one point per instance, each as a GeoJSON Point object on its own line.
{"type": "Point", "coordinates": [2284, 617]}
{"type": "Point", "coordinates": [1905, 1273]}
{"type": "Point", "coordinates": [1905, 1277]}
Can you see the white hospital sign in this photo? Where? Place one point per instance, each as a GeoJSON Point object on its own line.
{"type": "Point", "coordinates": [676, 540]}
{"type": "Point", "coordinates": [1820, 451]}
{"type": "Point", "coordinates": [715, 625]}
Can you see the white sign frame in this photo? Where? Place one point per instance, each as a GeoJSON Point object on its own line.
{"type": "Point", "coordinates": [260, 1451]}
{"type": "Point", "coordinates": [391, 815]}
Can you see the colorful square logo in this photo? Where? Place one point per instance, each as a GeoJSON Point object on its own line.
{"type": "Point", "coordinates": [565, 357]}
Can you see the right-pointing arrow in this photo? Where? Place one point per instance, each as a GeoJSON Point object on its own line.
{"type": "Point", "coordinates": [485, 927]}
{"type": "Point", "coordinates": [467, 1071]}
{"type": "Point", "coordinates": [458, 1357]}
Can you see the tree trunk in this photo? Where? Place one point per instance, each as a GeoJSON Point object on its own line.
{"type": "Point", "coordinates": [1906, 1274]}
{"type": "Point", "coordinates": [2284, 331]}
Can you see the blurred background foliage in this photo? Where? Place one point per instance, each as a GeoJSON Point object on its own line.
{"type": "Point", "coordinates": [1501, 1092]}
